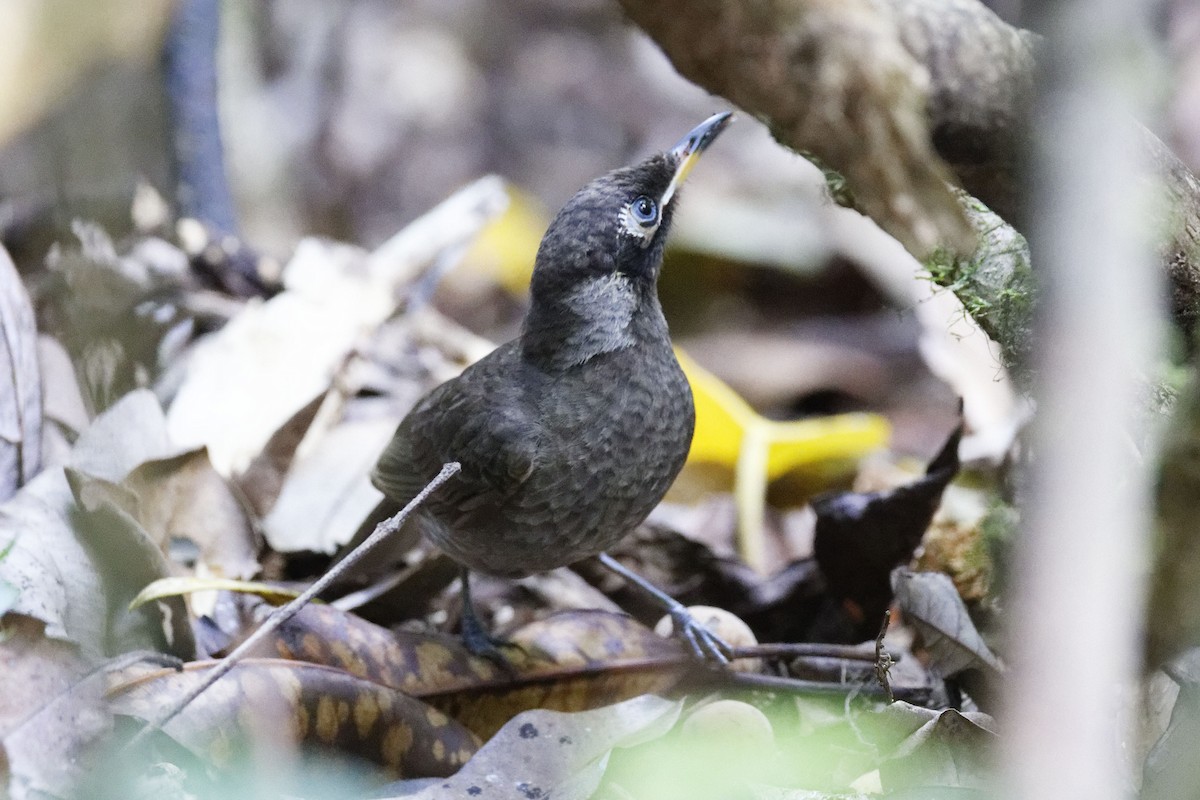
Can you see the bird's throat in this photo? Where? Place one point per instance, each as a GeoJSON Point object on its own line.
{"type": "Point", "coordinates": [596, 317]}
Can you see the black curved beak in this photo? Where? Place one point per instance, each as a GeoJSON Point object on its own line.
{"type": "Point", "coordinates": [688, 151]}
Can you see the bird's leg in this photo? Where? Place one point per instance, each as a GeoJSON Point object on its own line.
{"type": "Point", "coordinates": [474, 636]}
{"type": "Point", "coordinates": [703, 643]}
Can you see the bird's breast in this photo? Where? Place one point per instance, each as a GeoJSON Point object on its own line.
{"type": "Point", "coordinates": [614, 434]}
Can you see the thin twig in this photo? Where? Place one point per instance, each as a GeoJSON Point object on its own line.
{"type": "Point", "coordinates": [917, 695]}
{"type": "Point", "coordinates": [845, 652]}
{"type": "Point", "coordinates": [883, 659]}
{"type": "Point", "coordinates": [799, 685]}
{"type": "Point", "coordinates": [282, 615]}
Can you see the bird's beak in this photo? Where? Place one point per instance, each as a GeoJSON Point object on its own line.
{"type": "Point", "coordinates": [691, 146]}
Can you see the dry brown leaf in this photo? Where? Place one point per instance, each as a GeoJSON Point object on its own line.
{"type": "Point", "coordinates": [58, 578]}
{"type": "Point", "coordinates": [262, 481]}
{"type": "Point", "coordinates": [129, 433]}
{"type": "Point", "coordinates": [127, 559]}
{"type": "Point", "coordinates": [247, 380]}
{"type": "Point", "coordinates": [573, 661]}
{"type": "Point", "coordinates": [414, 662]}
{"type": "Point", "coordinates": [48, 716]}
{"type": "Point", "coordinates": [183, 497]}
{"type": "Point", "coordinates": [64, 412]}
{"type": "Point", "coordinates": [328, 492]}
{"type": "Point", "coordinates": [21, 402]}
{"type": "Point", "coordinates": [932, 605]}
{"type": "Point", "coordinates": [276, 705]}
{"type": "Point", "coordinates": [938, 748]}
{"type": "Point", "coordinates": [544, 754]}
{"type": "Point", "coordinates": [54, 576]}
{"type": "Point", "coordinates": [570, 662]}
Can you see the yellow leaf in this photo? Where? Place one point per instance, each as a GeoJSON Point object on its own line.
{"type": "Point", "coordinates": [178, 586]}
{"type": "Point", "coordinates": [731, 433]}
{"type": "Point", "coordinates": [505, 249]}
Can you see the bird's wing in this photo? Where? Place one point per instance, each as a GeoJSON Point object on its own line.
{"type": "Point", "coordinates": [398, 474]}
{"type": "Point", "coordinates": [475, 419]}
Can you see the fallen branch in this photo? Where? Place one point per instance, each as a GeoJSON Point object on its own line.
{"type": "Point", "coordinates": [831, 78]}
{"type": "Point", "coordinates": [895, 95]}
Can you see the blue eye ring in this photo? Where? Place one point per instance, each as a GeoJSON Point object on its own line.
{"type": "Point", "coordinates": [644, 210]}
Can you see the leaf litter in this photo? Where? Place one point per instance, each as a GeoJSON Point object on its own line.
{"type": "Point", "coordinates": [21, 406]}
{"type": "Point", "coordinates": [270, 426]}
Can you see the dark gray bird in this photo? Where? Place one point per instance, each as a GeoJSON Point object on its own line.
{"type": "Point", "coordinates": [571, 433]}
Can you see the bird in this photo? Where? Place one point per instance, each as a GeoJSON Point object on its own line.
{"type": "Point", "coordinates": [571, 433]}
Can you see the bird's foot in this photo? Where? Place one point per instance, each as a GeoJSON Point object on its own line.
{"type": "Point", "coordinates": [480, 643]}
{"type": "Point", "coordinates": [703, 643]}
{"type": "Point", "coordinates": [475, 637]}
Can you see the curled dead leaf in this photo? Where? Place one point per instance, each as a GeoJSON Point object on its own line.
{"type": "Point", "coordinates": [21, 405]}
{"type": "Point", "coordinates": [274, 705]}
{"type": "Point", "coordinates": [570, 662]}
{"type": "Point", "coordinates": [183, 497]}
{"type": "Point", "coordinates": [60, 580]}
{"type": "Point", "coordinates": [931, 603]}
{"type": "Point", "coordinates": [50, 711]}
{"type": "Point", "coordinates": [545, 753]}
{"type": "Point", "coordinates": [861, 536]}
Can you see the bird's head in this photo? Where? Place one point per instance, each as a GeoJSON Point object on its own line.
{"type": "Point", "coordinates": [599, 260]}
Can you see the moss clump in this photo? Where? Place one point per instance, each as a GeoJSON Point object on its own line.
{"type": "Point", "coordinates": [995, 284]}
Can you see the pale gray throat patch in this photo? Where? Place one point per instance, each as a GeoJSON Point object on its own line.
{"type": "Point", "coordinates": [603, 309]}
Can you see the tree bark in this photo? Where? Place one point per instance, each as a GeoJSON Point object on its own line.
{"type": "Point", "coordinates": [981, 85]}
{"type": "Point", "coordinates": [830, 78]}
{"type": "Point", "coordinates": [898, 95]}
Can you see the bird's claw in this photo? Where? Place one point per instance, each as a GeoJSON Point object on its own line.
{"type": "Point", "coordinates": [479, 643]}
{"type": "Point", "coordinates": [703, 643]}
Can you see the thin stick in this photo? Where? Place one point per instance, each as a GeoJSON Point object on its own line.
{"type": "Point", "coordinates": [843, 652]}
{"type": "Point", "coordinates": [283, 614]}
{"type": "Point", "coordinates": [883, 659]}
{"type": "Point", "coordinates": [915, 694]}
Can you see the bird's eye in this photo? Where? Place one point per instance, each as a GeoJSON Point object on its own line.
{"type": "Point", "coordinates": [644, 210]}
